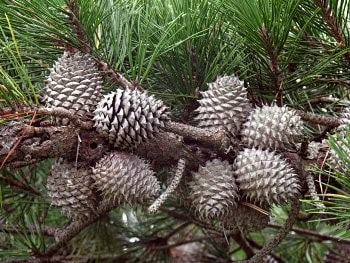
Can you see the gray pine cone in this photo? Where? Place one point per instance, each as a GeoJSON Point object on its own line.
{"type": "Point", "coordinates": [270, 259]}
{"type": "Point", "coordinates": [224, 105]}
{"type": "Point", "coordinates": [129, 117]}
{"type": "Point", "coordinates": [125, 178]}
{"type": "Point", "coordinates": [264, 177]}
{"type": "Point", "coordinates": [214, 191]}
{"type": "Point", "coordinates": [314, 149]}
{"type": "Point", "coordinates": [345, 116]}
{"type": "Point", "coordinates": [71, 189]}
{"type": "Point", "coordinates": [340, 139]}
{"type": "Point", "coordinates": [272, 127]}
{"type": "Point", "coordinates": [339, 254]}
{"type": "Point", "coordinates": [74, 84]}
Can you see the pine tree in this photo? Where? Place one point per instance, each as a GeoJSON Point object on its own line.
{"type": "Point", "coordinates": [174, 130]}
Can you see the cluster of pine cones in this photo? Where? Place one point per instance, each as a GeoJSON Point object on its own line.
{"type": "Point", "coordinates": [126, 118]}
{"type": "Point", "coordinates": [259, 175]}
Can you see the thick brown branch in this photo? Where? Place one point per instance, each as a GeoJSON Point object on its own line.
{"type": "Point", "coordinates": [217, 140]}
{"type": "Point", "coordinates": [319, 119]}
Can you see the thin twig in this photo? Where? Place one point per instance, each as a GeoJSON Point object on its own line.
{"type": "Point", "coordinates": [21, 185]}
{"type": "Point", "coordinates": [198, 239]}
{"type": "Point", "coordinates": [283, 232]}
{"type": "Point", "coordinates": [273, 57]}
{"type": "Point", "coordinates": [74, 229]}
{"type": "Point", "coordinates": [325, 100]}
{"type": "Point", "coordinates": [332, 23]}
{"type": "Point", "coordinates": [176, 230]}
{"type": "Point", "coordinates": [18, 141]}
{"type": "Point", "coordinates": [15, 229]}
{"type": "Point", "coordinates": [106, 69]}
{"type": "Point", "coordinates": [309, 233]}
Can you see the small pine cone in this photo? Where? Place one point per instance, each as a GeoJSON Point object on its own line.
{"type": "Point", "coordinates": [224, 105]}
{"type": "Point", "coordinates": [339, 254]}
{"type": "Point", "coordinates": [314, 149]}
{"type": "Point", "coordinates": [264, 177]}
{"type": "Point", "coordinates": [125, 178]}
{"type": "Point", "coordinates": [129, 117]}
{"type": "Point", "coordinates": [341, 145]}
{"type": "Point", "coordinates": [272, 127]}
{"type": "Point", "coordinates": [214, 191]}
{"type": "Point", "coordinates": [71, 189]}
{"type": "Point", "coordinates": [74, 84]}
{"type": "Point", "coordinates": [270, 259]}
{"type": "Point", "coordinates": [345, 116]}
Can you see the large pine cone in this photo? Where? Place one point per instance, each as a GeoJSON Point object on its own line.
{"type": "Point", "coordinates": [74, 84]}
{"type": "Point", "coordinates": [224, 105]}
{"type": "Point", "coordinates": [71, 189]}
{"type": "Point", "coordinates": [129, 117]}
{"type": "Point", "coordinates": [214, 191]}
{"type": "Point", "coordinates": [125, 178]}
{"type": "Point", "coordinates": [272, 127]}
{"type": "Point", "coordinates": [264, 177]}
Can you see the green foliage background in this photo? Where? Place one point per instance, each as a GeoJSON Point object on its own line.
{"type": "Point", "coordinates": [173, 48]}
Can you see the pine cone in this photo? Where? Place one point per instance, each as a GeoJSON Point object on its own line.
{"type": "Point", "coordinates": [339, 254]}
{"type": "Point", "coordinates": [125, 178]}
{"type": "Point", "coordinates": [214, 190]}
{"type": "Point", "coordinates": [265, 177]}
{"type": "Point", "coordinates": [342, 144]}
{"type": "Point", "coordinates": [314, 149]}
{"type": "Point", "coordinates": [129, 117]}
{"type": "Point", "coordinates": [225, 105]}
{"type": "Point", "coordinates": [270, 259]}
{"type": "Point", "coordinates": [74, 84]}
{"type": "Point", "coordinates": [344, 117]}
{"type": "Point", "coordinates": [71, 189]}
{"type": "Point", "coordinates": [272, 127]}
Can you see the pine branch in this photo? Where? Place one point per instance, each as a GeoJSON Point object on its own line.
{"type": "Point", "coordinates": [319, 119]}
{"type": "Point", "coordinates": [283, 232]}
{"type": "Point", "coordinates": [274, 65]}
{"type": "Point", "coordinates": [313, 234]}
{"type": "Point", "coordinates": [74, 229]}
{"type": "Point", "coordinates": [21, 186]}
{"type": "Point", "coordinates": [332, 23]}
{"type": "Point", "coordinates": [217, 140]}
{"type": "Point", "coordinates": [15, 229]}
{"type": "Point", "coordinates": [325, 100]}
{"type": "Point", "coordinates": [116, 77]}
